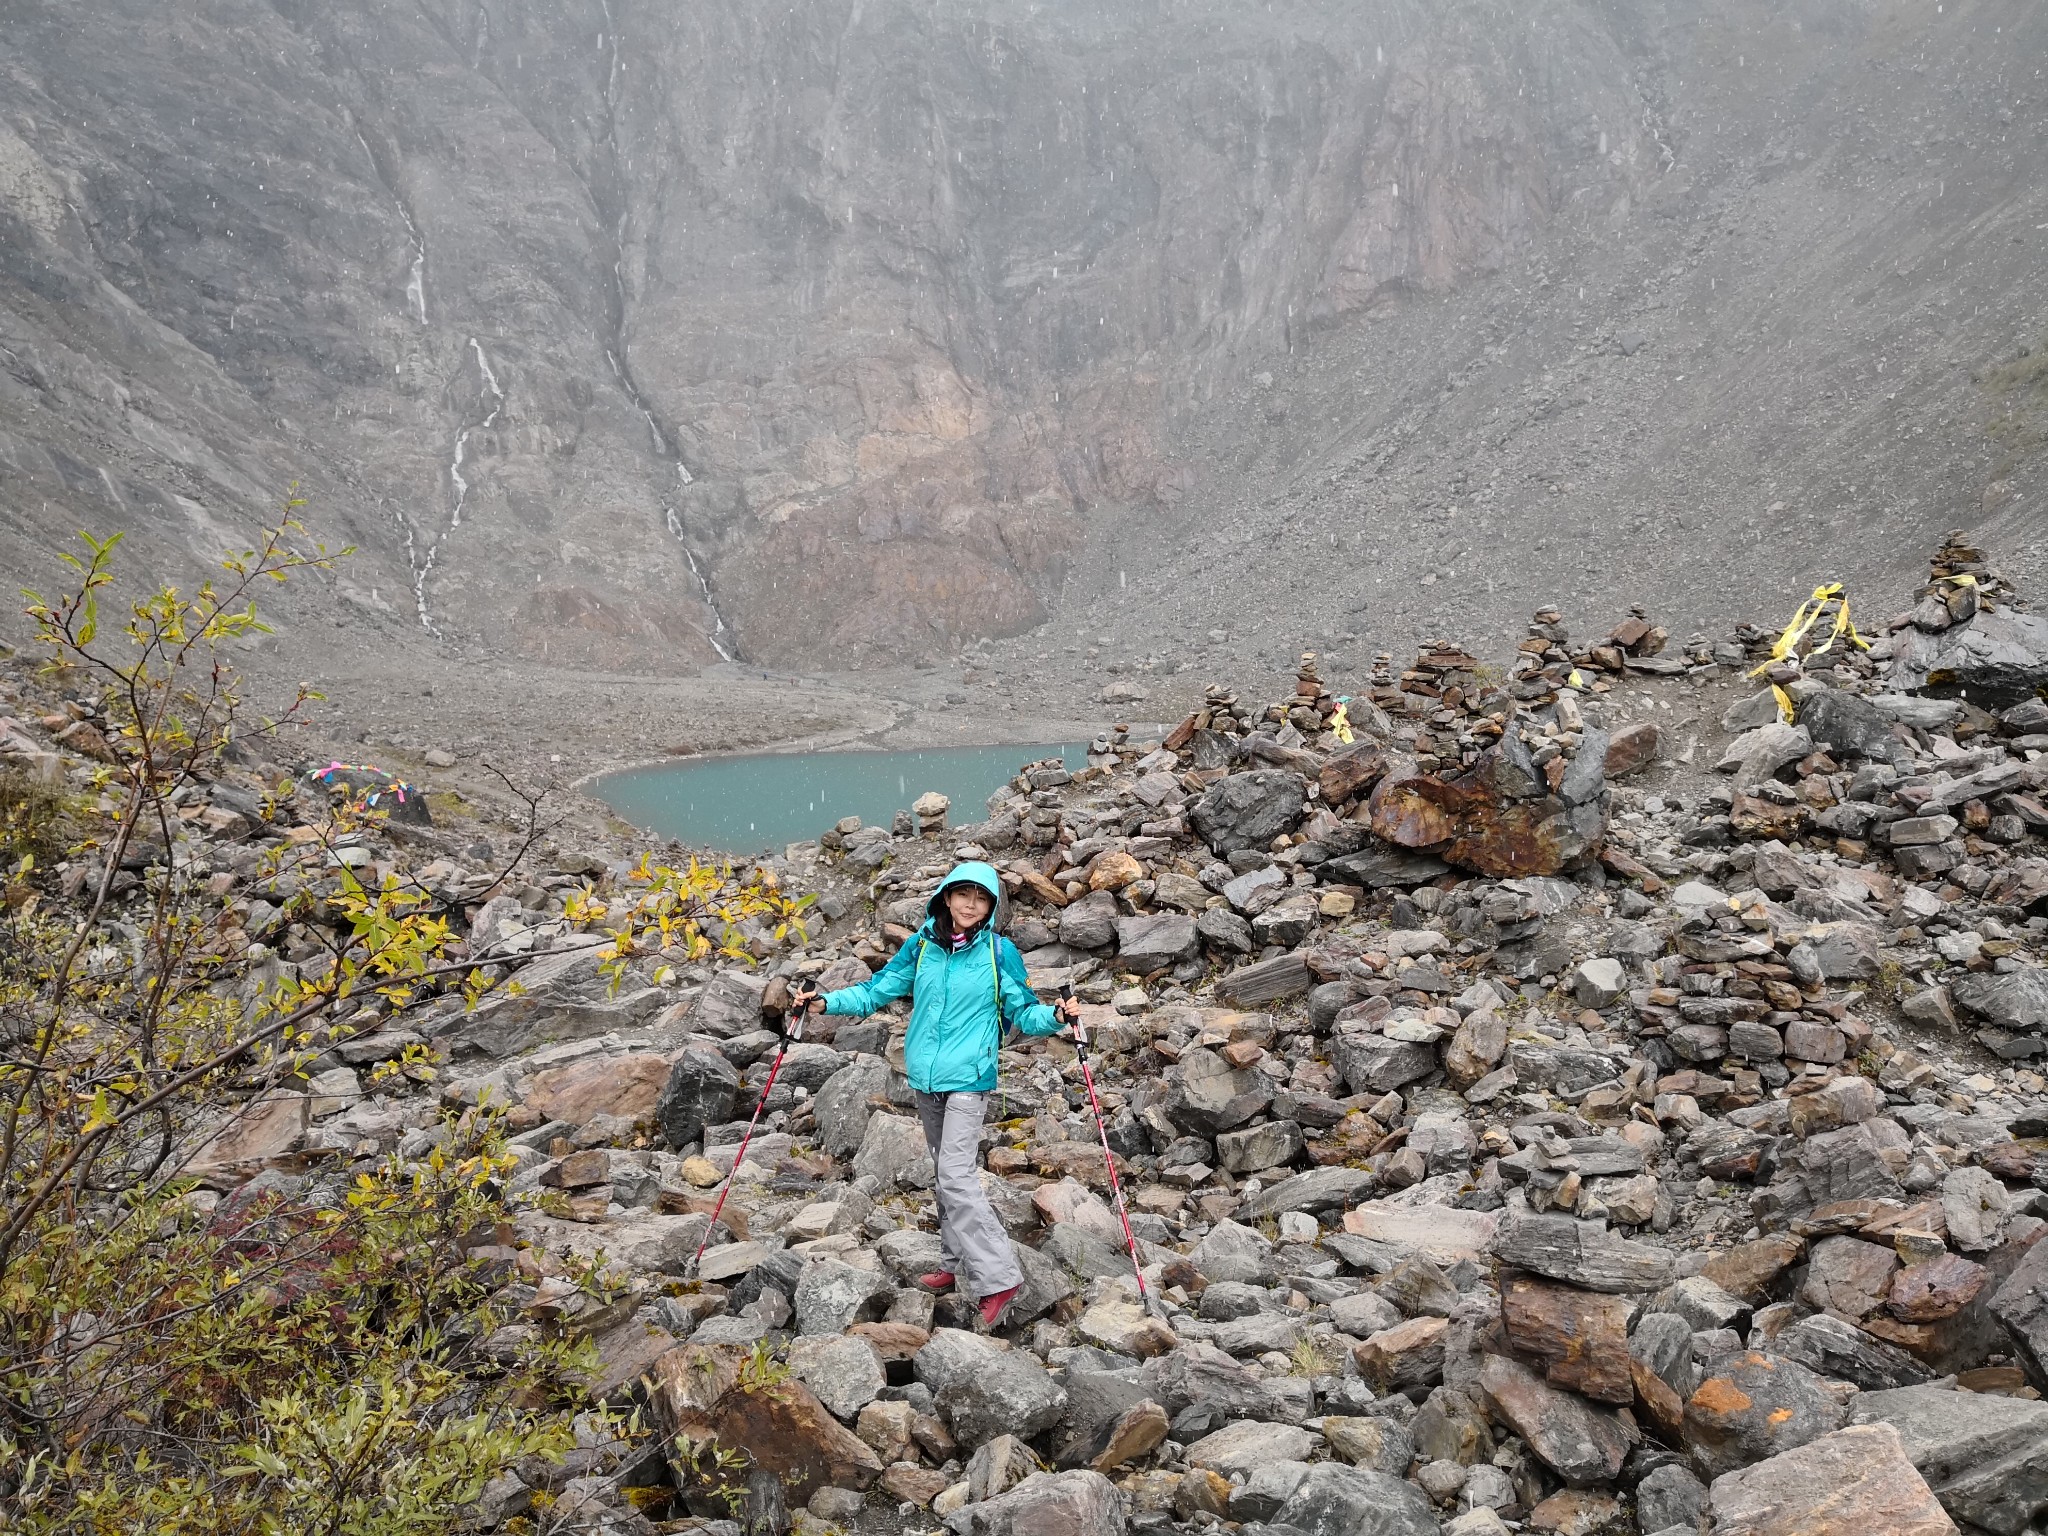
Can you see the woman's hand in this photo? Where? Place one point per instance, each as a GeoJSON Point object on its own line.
{"type": "Point", "coordinates": [1068, 1009]}
{"type": "Point", "coordinates": [804, 999]}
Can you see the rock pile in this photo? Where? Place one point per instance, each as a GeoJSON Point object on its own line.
{"type": "Point", "coordinates": [1516, 1143]}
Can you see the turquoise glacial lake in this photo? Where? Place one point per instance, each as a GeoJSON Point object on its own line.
{"type": "Point", "coordinates": [763, 801]}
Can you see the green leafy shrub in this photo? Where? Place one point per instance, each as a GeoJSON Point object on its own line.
{"type": "Point", "coordinates": [170, 1362]}
{"type": "Point", "coordinates": [312, 1357]}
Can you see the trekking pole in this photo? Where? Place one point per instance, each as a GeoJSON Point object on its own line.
{"type": "Point", "coordinates": [794, 1032]}
{"type": "Point", "coordinates": [1109, 1159]}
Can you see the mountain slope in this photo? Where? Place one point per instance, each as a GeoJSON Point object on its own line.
{"type": "Point", "coordinates": [618, 336]}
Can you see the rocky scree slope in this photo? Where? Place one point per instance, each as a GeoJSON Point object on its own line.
{"type": "Point", "coordinates": [1525, 1127]}
{"type": "Point", "coordinates": [846, 332]}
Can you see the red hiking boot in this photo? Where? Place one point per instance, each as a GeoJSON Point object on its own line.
{"type": "Point", "coordinates": [938, 1282]}
{"type": "Point", "coordinates": [992, 1306]}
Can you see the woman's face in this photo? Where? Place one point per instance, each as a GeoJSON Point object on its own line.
{"type": "Point", "coordinates": [969, 904]}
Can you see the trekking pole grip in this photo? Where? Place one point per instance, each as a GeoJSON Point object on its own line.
{"type": "Point", "coordinates": [1080, 1030]}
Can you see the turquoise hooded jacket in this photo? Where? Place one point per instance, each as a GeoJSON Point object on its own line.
{"type": "Point", "coordinates": [961, 1001]}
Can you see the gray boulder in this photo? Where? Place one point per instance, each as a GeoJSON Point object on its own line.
{"type": "Point", "coordinates": [843, 1106]}
{"type": "Point", "coordinates": [1077, 1503]}
{"type": "Point", "coordinates": [1662, 1342]}
{"type": "Point", "coordinates": [729, 1005]}
{"type": "Point", "coordinates": [1759, 754]}
{"type": "Point", "coordinates": [1846, 722]}
{"type": "Point", "coordinates": [701, 1089]}
{"type": "Point", "coordinates": [809, 1066]}
{"type": "Point", "coordinates": [1832, 1347]}
{"type": "Point", "coordinates": [2015, 1000]}
{"type": "Point", "coordinates": [831, 1296]}
{"type": "Point", "coordinates": [893, 1151]}
{"type": "Point", "coordinates": [1336, 1500]}
{"type": "Point", "coordinates": [1261, 1334]}
{"type": "Point", "coordinates": [1254, 1149]}
{"type": "Point", "coordinates": [1232, 1252]}
{"type": "Point", "coordinates": [1994, 660]}
{"type": "Point", "coordinates": [843, 1372]}
{"type": "Point", "coordinates": [1224, 931]}
{"type": "Point", "coordinates": [1226, 1300]}
{"type": "Point", "coordinates": [1319, 1189]}
{"type": "Point", "coordinates": [983, 1390]}
{"type": "Point", "coordinates": [1249, 810]}
{"type": "Point", "coordinates": [2020, 1305]}
{"type": "Point", "coordinates": [1200, 1377]}
{"type": "Point", "coordinates": [1268, 1486]}
{"type": "Point", "coordinates": [1089, 923]}
{"type": "Point", "coordinates": [1206, 1094]}
{"type": "Point", "coordinates": [1375, 1064]}
{"type": "Point", "coordinates": [1240, 1448]}
{"type": "Point", "coordinates": [1154, 942]}
{"type": "Point", "coordinates": [1670, 1496]}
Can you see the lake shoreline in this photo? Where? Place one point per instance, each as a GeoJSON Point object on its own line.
{"type": "Point", "coordinates": [701, 801]}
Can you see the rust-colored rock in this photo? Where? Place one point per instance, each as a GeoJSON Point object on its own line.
{"type": "Point", "coordinates": [1475, 822]}
{"type": "Point", "coordinates": [1758, 819]}
{"type": "Point", "coordinates": [893, 1341]}
{"type": "Point", "coordinates": [787, 1431]}
{"type": "Point", "coordinates": [1939, 1288]}
{"type": "Point", "coordinates": [579, 1170]}
{"type": "Point", "coordinates": [686, 1382]}
{"type": "Point", "coordinates": [908, 1483]}
{"type": "Point", "coordinates": [1656, 1404]}
{"type": "Point", "coordinates": [2009, 1160]}
{"type": "Point", "coordinates": [1579, 1512]}
{"type": "Point", "coordinates": [1138, 1433]}
{"type": "Point", "coordinates": [1201, 1492]}
{"type": "Point", "coordinates": [1406, 1355]}
{"type": "Point", "coordinates": [626, 1086]}
{"type": "Point", "coordinates": [1633, 749]}
{"type": "Point", "coordinates": [1113, 870]}
{"type": "Point", "coordinates": [1416, 811]}
{"type": "Point", "coordinates": [1351, 772]}
{"type": "Point", "coordinates": [1853, 1482]}
{"type": "Point", "coordinates": [1749, 1270]}
{"type": "Point", "coordinates": [1578, 1338]}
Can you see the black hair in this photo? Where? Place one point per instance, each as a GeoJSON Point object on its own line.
{"type": "Point", "coordinates": [942, 915]}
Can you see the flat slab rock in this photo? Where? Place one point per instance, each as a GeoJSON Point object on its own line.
{"type": "Point", "coordinates": [1582, 1253]}
{"type": "Point", "coordinates": [1439, 1233]}
{"type": "Point", "coordinates": [1854, 1482]}
{"type": "Point", "coordinates": [1986, 1457]}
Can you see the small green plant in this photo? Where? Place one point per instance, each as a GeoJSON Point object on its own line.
{"type": "Point", "coordinates": [1314, 1357]}
{"type": "Point", "coordinates": [1890, 982]}
{"type": "Point", "coordinates": [709, 1475]}
{"type": "Point", "coordinates": [761, 1371]}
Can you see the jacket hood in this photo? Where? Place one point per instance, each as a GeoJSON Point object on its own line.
{"type": "Point", "coordinates": [984, 877]}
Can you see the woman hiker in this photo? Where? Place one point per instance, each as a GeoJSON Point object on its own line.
{"type": "Point", "coordinates": [967, 986]}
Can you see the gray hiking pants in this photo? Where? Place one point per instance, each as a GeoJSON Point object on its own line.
{"type": "Point", "coordinates": [972, 1242]}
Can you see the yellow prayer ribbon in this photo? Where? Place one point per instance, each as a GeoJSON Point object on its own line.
{"type": "Point", "coordinates": [1806, 616]}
